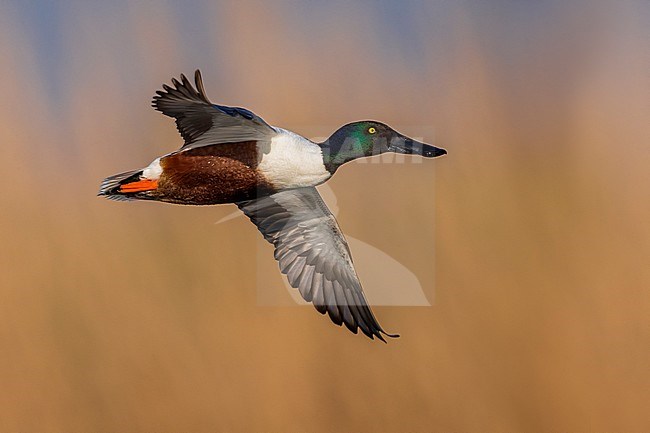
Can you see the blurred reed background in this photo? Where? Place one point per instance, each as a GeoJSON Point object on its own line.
{"type": "Point", "coordinates": [143, 316]}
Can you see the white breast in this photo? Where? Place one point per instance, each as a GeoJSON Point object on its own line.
{"type": "Point", "coordinates": [291, 161]}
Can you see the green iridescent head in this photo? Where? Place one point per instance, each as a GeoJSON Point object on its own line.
{"type": "Point", "coordinates": [368, 138]}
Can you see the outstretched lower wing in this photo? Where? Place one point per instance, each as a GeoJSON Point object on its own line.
{"type": "Point", "coordinates": [312, 252]}
{"type": "Point", "coordinates": [203, 123]}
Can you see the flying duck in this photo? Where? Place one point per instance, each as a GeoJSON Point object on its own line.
{"type": "Point", "coordinates": [231, 155]}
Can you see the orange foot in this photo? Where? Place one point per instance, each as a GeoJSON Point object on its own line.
{"type": "Point", "coordinates": [138, 186]}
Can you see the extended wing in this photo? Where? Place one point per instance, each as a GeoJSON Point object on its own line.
{"type": "Point", "coordinates": [202, 123]}
{"type": "Point", "coordinates": [314, 255]}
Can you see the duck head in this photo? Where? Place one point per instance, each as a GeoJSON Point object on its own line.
{"type": "Point", "coordinates": [369, 138]}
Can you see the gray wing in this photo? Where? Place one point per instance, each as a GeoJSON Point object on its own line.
{"type": "Point", "coordinates": [203, 123]}
{"type": "Point", "coordinates": [314, 255]}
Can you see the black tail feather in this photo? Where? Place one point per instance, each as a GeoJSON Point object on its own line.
{"type": "Point", "coordinates": [110, 187]}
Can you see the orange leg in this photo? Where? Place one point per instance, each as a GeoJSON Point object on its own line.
{"type": "Point", "coordinates": [140, 185]}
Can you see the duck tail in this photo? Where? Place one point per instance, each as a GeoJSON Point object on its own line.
{"type": "Point", "coordinates": [124, 186]}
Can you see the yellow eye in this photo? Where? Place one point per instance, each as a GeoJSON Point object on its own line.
{"type": "Point", "coordinates": [371, 130]}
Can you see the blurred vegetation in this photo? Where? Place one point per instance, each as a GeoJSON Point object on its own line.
{"type": "Point", "coordinates": [143, 316]}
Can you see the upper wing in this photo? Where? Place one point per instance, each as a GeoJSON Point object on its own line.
{"type": "Point", "coordinates": [201, 122]}
{"type": "Point", "coordinates": [313, 253]}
